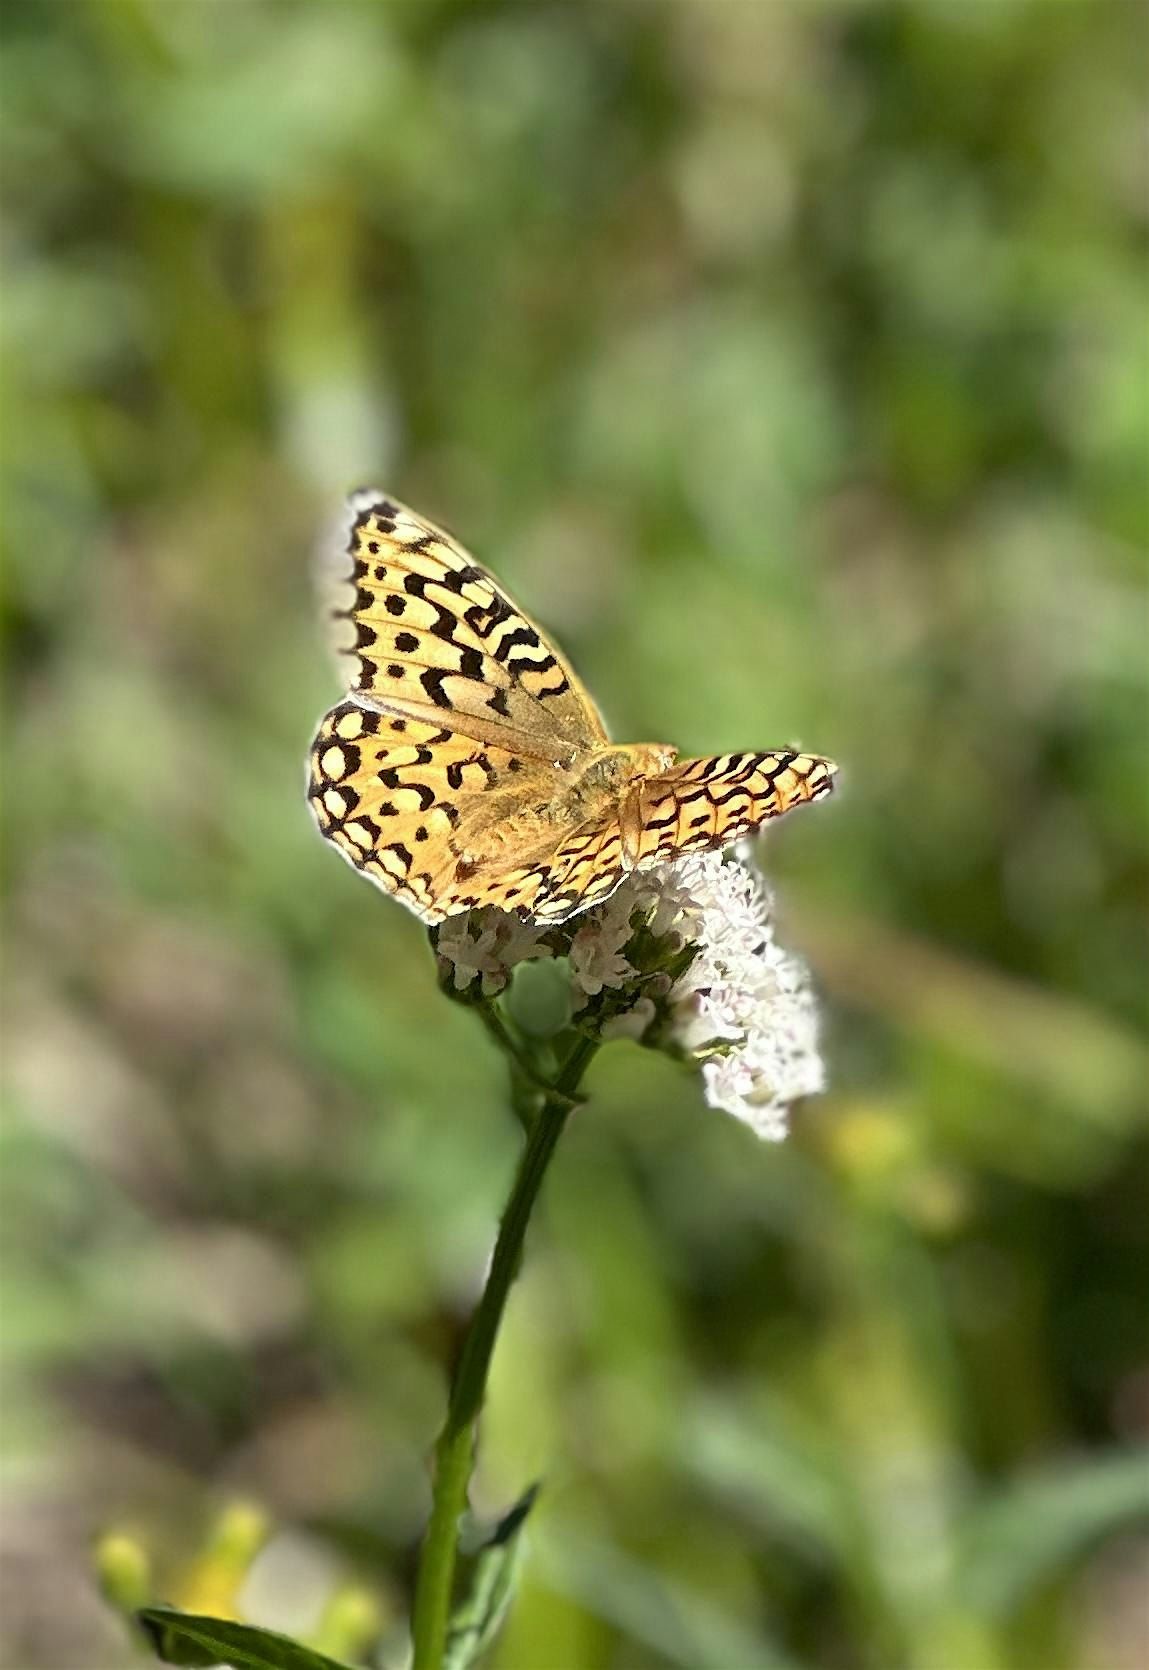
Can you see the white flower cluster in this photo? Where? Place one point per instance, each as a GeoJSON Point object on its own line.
{"type": "Point", "coordinates": [743, 1006]}
{"type": "Point", "coordinates": [486, 945]}
{"type": "Point", "coordinates": [744, 1003]}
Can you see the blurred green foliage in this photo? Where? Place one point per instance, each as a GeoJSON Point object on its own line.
{"type": "Point", "coordinates": [788, 360]}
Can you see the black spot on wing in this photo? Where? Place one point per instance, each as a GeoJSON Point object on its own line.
{"type": "Point", "coordinates": [432, 681]}
{"type": "Point", "coordinates": [548, 690]}
{"type": "Point", "coordinates": [445, 622]}
{"type": "Point", "coordinates": [523, 637]}
{"type": "Point", "coordinates": [382, 511]}
{"type": "Point", "coordinates": [482, 618]}
{"type": "Point", "coordinates": [457, 578]}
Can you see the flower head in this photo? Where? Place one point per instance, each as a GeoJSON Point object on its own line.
{"type": "Point", "coordinates": [683, 957]}
{"type": "Point", "coordinates": [477, 952]}
{"type": "Point", "coordinates": [744, 1005]}
{"type": "Point", "coordinates": [598, 949]}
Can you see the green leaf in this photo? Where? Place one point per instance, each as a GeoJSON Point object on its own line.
{"type": "Point", "coordinates": [679, 1625]}
{"type": "Point", "coordinates": [768, 1465]}
{"type": "Point", "coordinates": [184, 1638]}
{"type": "Point", "coordinates": [492, 1586]}
{"type": "Point", "coordinates": [1040, 1524]}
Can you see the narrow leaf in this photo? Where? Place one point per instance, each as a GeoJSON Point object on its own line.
{"type": "Point", "coordinates": [476, 1622]}
{"type": "Point", "coordinates": [187, 1639]}
{"type": "Point", "coordinates": [1040, 1524]}
{"type": "Point", "coordinates": [679, 1625]}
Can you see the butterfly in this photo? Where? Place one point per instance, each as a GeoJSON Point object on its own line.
{"type": "Point", "coordinates": [467, 766]}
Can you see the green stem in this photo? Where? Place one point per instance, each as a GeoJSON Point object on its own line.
{"type": "Point", "coordinates": [455, 1449]}
{"type": "Point", "coordinates": [513, 1049]}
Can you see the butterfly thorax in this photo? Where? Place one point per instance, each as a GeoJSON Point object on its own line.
{"type": "Point", "coordinates": [610, 773]}
{"type": "Point", "coordinates": [607, 781]}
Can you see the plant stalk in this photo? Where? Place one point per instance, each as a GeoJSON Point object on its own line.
{"type": "Point", "coordinates": [455, 1448]}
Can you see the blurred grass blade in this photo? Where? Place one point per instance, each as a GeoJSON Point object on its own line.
{"type": "Point", "coordinates": [773, 1473]}
{"type": "Point", "coordinates": [1035, 1527]}
{"type": "Point", "coordinates": [682, 1627]}
{"type": "Point", "coordinates": [186, 1638]}
{"type": "Point", "coordinates": [492, 1586]}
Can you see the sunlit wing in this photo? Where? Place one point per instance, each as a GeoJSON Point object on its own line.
{"type": "Point", "coordinates": [424, 631]}
{"type": "Point", "coordinates": [398, 797]}
{"type": "Point", "coordinates": [586, 868]}
{"type": "Point", "coordinates": [711, 802]}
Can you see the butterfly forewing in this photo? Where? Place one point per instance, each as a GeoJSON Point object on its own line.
{"type": "Point", "coordinates": [422, 627]}
{"type": "Point", "coordinates": [711, 802]}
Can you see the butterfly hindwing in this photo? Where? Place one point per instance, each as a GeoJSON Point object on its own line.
{"type": "Point", "coordinates": [587, 867]}
{"type": "Point", "coordinates": [406, 800]}
{"type": "Point", "coordinates": [396, 796]}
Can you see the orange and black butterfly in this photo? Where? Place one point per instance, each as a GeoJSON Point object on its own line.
{"type": "Point", "coordinates": [467, 766]}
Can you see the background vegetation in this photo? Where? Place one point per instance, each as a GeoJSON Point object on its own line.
{"type": "Point", "coordinates": [788, 360]}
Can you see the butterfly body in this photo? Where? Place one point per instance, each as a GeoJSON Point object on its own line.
{"type": "Point", "coordinates": [467, 766]}
{"type": "Point", "coordinates": [606, 783]}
